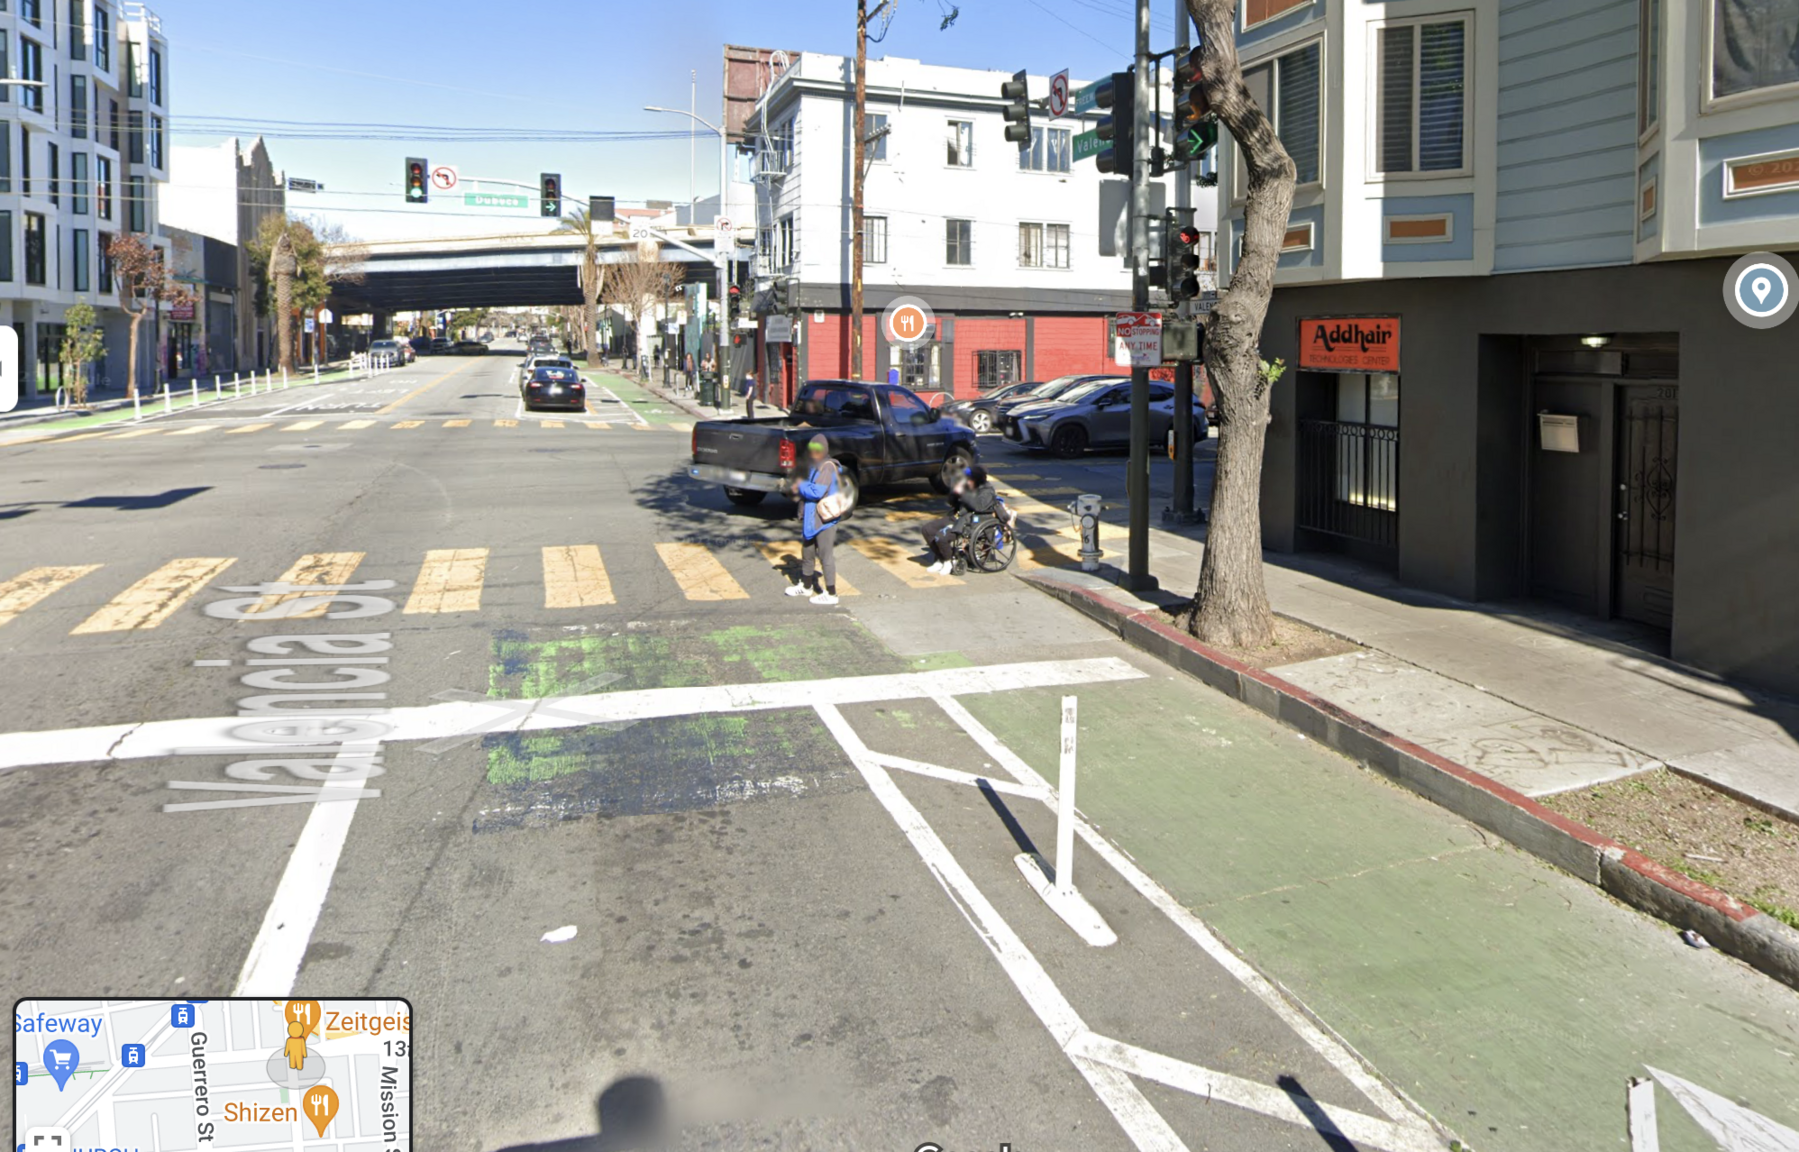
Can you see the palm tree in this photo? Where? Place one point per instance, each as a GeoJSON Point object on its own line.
{"type": "Point", "coordinates": [593, 275]}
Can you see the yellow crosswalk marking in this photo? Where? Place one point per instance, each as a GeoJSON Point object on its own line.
{"type": "Point", "coordinates": [575, 577]}
{"type": "Point", "coordinates": [156, 597]}
{"type": "Point", "coordinates": [449, 581]}
{"type": "Point", "coordinates": [248, 428]}
{"type": "Point", "coordinates": [313, 568]}
{"type": "Point", "coordinates": [549, 423]}
{"type": "Point", "coordinates": [785, 556]}
{"type": "Point", "coordinates": [136, 432]}
{"type": "Point", "coordinates": [505, 423]}
{"type": "Point", "coordinates": [194, 431]}
{"type": "Point", "coordinates": [598, 425]}
{"type": "Point", "coordinates": [24, 590]}
{"type": "Point", "coordinates": [302, 426]}
{"type": "Point", "coordinates": [84, 436]}
{"type": "Point", "coordinates": [699, 573]}
{"type": "Point", "coordinates": [640, 427]}
{"type": "Point", "coordinates": [680, 426]}
{"type": "Point", "coordinates": [455, 423]}
{"type": "Point", "coordinates": [902, 562]}
{"type": "Point", "coordinates": [354, 425]}
{"type": "Point", "coordinates": [407, 423]}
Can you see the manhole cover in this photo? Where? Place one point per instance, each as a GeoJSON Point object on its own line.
{"type": "Point", "coordinates": [267, 467]}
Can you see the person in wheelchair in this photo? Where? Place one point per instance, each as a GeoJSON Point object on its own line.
{"type": "Point", "coordinates": [971, 498]}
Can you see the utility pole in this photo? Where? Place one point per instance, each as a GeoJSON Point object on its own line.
{"type": "Point", "coordinates": [1137, 574]}
{"type": "Point", "coordinates": [1183, 370]}
{"type": "Point", "coordinates": [693, 97]}
{"type": "Point", "coordinates": [857, 122]}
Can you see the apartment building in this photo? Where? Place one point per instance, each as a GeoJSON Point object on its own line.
{"type": "Point", "coordinates": [83, 147]}
{"type": "Point", "coordinates": [1502, 291]}
{"type": "Point", "coordinates": [1015, 250]}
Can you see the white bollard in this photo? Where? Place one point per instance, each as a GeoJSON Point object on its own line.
{"type": "Point", "coordinates": [168, 398]}
{"type": "Point", "coordinates": [1055, 884]}
{"type": "Point", "coordinates": [193, 391]}
{"type": "Point", "coordinates": [1065, 803]}
{"type": "Point", "coordinates": [283, 376]}
{"type": "Point", "coordinates": [218, 392]}
{"type": "Point", "coordinates": [137, 406]}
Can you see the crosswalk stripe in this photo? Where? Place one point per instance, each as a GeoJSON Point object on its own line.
{"type": "Point", "coordinates": [784, 556]}
{"type": "Point", "coordinates": [575, 577]}
{"type": "Point", "coordinates": [26, 589]}
{"type": "Point", "coordinates": [598, 425]}
{"type": "Point", "coordinates": [901, 562]}
{"type": "Point", "coordinates": [302, 426]}
{"type": "Point", "coordinates": [134, 433]}
{"type": "Point", "coordinates": [194, 431]}
{"type": "Point", "coordinates": [505, 423]}
{"type": "Point", "coordinates": [154, 598]}
{"type": "Point", "coordinates": [84, 436]}
{"type": "Point", "coordinates": [699, 573]}
{"type": "Point", "coordinates": [549, 423]}
{"type": "Point", "coordinates": [640, 427]}
{"type": "Point", "coordinates": [680, 426]}
{"type": "Point", "coordinates": [354, 425]}
{"type": "Point", "coordinates": [449, 581]}
{"type": "Point", "coordinates": [456, 423]}
{"type": "Point", "coordinates": [407, 423]}
{"type": "Point", "coordinates": [248, 428]}
{"type": "Point", "coordinates": [313, 568]}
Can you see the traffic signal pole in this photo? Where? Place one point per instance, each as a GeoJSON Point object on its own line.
{"type": "Point", "coordinates": [1137, 577]}
{"type": "Point", "coordinates": [1183, 370]}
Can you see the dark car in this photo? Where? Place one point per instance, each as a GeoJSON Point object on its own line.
{"type": "Point", "coordinates": [420, 345]}
{"type": "Point", "coordinates": [980, 411]}
{"type": "Point", "coordinates": [470, 348]}
{"type": "Point", "coordinates": [439, 346]}
{"type": "Point", "coordinates": [554, 388]}
{"type": "Point", "coordinates": [540, 345]}
{"type": "Point", "coordinates": [1048, 390]}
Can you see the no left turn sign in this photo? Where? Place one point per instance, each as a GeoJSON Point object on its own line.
{"type": "Point", "coordinates": [1058, 94]}
{"type": "Point", "coordinates": [443, 177]}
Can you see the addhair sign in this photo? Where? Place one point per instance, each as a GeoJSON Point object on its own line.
{"type": "Point", "coordinates": [1349, 343]}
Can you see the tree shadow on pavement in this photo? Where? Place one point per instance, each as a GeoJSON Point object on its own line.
{"type": "Point", "coordinates": [633, 1114]}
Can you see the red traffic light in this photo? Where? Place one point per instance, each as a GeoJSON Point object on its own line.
{"type": "Point", "coordinates": [1187, 236]}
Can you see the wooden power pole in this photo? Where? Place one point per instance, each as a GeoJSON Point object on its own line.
{"type": "Point", "coordinates": [856, 150]}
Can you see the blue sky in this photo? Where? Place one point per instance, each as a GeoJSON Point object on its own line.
{"type": "Point", "coordinates": [585, 66]}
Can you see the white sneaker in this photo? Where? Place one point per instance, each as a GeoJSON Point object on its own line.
{"type": "Point", "coordinates": [941, 568]}
{"type": "Point", "coordinates": [824, 598]}
{"type": "Point", "coordinates": [798, 590]}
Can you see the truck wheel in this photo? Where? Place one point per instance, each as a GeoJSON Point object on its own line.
{"type": "Point", "coordinates": [1068, 441]}
{"type": "Point", "coordinates": [953, 466]}
{"type": "Point", "coordinates": [745, 497]}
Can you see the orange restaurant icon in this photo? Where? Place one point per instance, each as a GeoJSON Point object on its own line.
{"type": "Point", "coordinates": [1349, 343]}
{"type": "Point", "coordinates": [906, 323]}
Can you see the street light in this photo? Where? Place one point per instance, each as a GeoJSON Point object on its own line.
{"type": "Point", "coordinates": [724, 211]}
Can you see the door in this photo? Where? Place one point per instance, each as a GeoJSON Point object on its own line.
{"type": "Point", "coordinates": [917, 433]}
{"type": "Point", "coordinates": [1643, 564]}
{"type": "Point", "coordinates": [1110, 418]}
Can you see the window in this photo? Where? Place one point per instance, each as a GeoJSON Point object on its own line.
{"type": "Point", "coordinates": [907, 408]}
{"type": "Point", "coordinates": [31, 67]}
{"type": "Point", "coordinates": [918, 366]}
{"type": "Point", "coordinates": [778, 157]}
{"type": "Point", "coordinates": [55, 175]}
{"type": "Point", "coordinates": [134, 136]}
{"type": "Point", "coordinates": [5, 156]}
{"type": "Point", "coordinates": [77, 30]}
{"type": "Point", "coordinates": [134, 84]}
{"type": "Point", "coordinates": [874, 135]}
{"type": "Point", "coordinates": [1368, 460]}
{"type": "Point", "coordinates": [1649, 64]}
{"type": "Point", "coordinates": [958, 242]}
{"type": "Point", "coordinates": [80, 259]}
{"type": "Point", "coordinates": [105, 248]}
{"type": "Point", "coordinates": [103, 187]}
{"type": "Point", "coordinates": [1287, 89]}
{"type": "Point", "coordinates": [5, 68]}
{"type": "Point", "coordinates": [787, 243]}
{"type": "Point", "coordinates": [34, 248]}
{"type": "Point", "coordinates": [961, 144]}
{"type": "Point", "coordinates": [134, 203]}
{"type": "Point", "coordinates": [102, 39]}
{"type": "Point", "coordinates": [874, 239]}
{"type": "Point", "coordinates": [156, 77]}
{"type": "Point", "coordinates": [1051, 150]}
{"type": "Point", "coordinates": [6, 246]}
{"type": "Point", "coordinates": [765, 246]}
{"type": "Point", "coordinates": [1207, 251]}
{"type": "Point", "coordinates": [1261, 11]}
{"type": "Point", "coordinates": [78, 107]}
{"type": "Point", "coordinates": [1755, 44]}
{"type": "Point", "coordinates": [1043, 245]}
{"type": "Point", "coordinates": [112, 126]}
{"type": "Point", "coordinates": [1422, 97]}
{"type": "Point", "coordinates": [996, 369]}
{"type": "Point", "coordinates": [32, 10]}
{"type": "Point", "coordinates": [156, 142]}
{"type": "Point", "coordinates": [24, 160]}
{"type": "Point", "coordinates": [78, 186]}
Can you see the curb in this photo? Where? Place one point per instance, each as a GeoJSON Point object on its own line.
{"type": "Point", "coordinates": [1746, 933]}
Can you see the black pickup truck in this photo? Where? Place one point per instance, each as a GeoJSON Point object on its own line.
{"type": "Point", "coordinates": [878, 433]}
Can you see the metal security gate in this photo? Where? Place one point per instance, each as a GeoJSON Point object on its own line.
{"type": "Point", "coordinates": [1349, 481]}
{"type": "Point", "coordinates": [1647, 439]}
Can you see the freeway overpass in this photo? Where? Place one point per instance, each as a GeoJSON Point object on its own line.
{"type": "Point", "coordinates": [494, 271]}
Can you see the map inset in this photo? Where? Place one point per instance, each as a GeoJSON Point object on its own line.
{"type": "Point", "coordinates": [247, 1075]}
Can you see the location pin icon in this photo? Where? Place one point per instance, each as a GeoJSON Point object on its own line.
{"type": "Point", "coordinates": [1761, 286]}
{"type": "Point", "coordinates": [321, 1106]}
{"type": "Point", "coordinates": [307, 1012]}
{"type": "Point", "coordinates": [61, 1058]}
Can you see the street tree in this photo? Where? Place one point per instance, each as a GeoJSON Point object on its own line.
{"type": "Point", "coordinates": [145, 283]}
{"type": "Point", "coordinates": [593, 276]}
{"type": "Point", "coordinates": [1230, 606]}
{"type": "Point", "coordinates": [639, 285]}
{"type": "Point", "coordinates": [83, 342]}
{"type": "Point", "coordinates": [298, 264]}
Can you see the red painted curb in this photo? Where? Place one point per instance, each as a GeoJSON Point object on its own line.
{"type": "Point", "coordinates": [1703, 894]}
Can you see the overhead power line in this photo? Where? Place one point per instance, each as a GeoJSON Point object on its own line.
{"type": "Point", "coordinates": [204, 125]}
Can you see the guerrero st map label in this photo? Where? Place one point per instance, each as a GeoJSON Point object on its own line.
{"type": "Point", "coordinates": [249, 1075]}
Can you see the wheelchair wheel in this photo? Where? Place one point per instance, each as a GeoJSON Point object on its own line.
{"type": "Point", "coordinates": [992, 547]}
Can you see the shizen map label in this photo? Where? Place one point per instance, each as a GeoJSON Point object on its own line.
{"type": "Point", "coordinates": [273, 1074]}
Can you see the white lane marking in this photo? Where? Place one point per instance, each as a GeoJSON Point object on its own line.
{"type": "Point", "coordinates": [955, 776]}
{"type": "Point", "coordinates": [1331, 1047]}
{"type": "Point", "coordinates": [636, 416]}
{"type": "Point", "coordinates": [212, 734]}
{"type": "Point", "coordinates": [1139, 1119]}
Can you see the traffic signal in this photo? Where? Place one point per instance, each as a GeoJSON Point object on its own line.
{"type": "Point", "coordinates": [1195, 128]}
{"type": "Point", "coordinates": [549, 190]}
{"type": "Point", "coordinates": [1117, 95]}
{"type": "Point", "coordinates": [418, 180]}
{"type": "Point", "coordinates": [1016, 93]}
{"type": "Point", "coordinates": [601, 209]}
{"type": "Point", "coordinates": [1180, 255]}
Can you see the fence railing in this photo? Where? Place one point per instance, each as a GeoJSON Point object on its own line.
{"type": "Point", "coordinates": [1349, 480]}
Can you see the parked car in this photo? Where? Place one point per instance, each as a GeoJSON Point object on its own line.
{"type": "Point", "coordinates": [470, 348]}
{"type": "Point", "coordinates": [878, 432]}
{"type": "Point", "coordinates": [979, 412]}
{"type": "Point", "coordinates": [554, 387]}
{"type": "Point", "coordinates": [1048, 390]}
{"type": "Point", "coordinates": [1100, 417]}
{"type": "Point", "coordinates": [397, 352]}
{"type": "Point", "coordinates": [542, 360]}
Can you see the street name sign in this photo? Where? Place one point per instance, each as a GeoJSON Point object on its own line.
{"type": "Point", "coordinates": [301, 184]}
{"type": "Point", "coordinates": [1087, 144]}
{"type": "Point", "coordinates": [496, 200]}
{"type": "Point", "coordinates": [1086, 99]}
{"type": "Point", "coordinates": [1139, 339]}
{"type": "Point", "coordinates": [1205, 302]}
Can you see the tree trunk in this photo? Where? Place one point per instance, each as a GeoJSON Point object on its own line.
{"type": "Point", "coordinates": [590, 299]}
{"type": "Point", "coordinates": [1231, 603]}
{"type": "Point", "coordinates": [284, 319]}
{"type": "Point", "coordinates": [131, 356]}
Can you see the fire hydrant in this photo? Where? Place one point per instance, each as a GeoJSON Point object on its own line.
{"type": "Point", "coordinates": [1085, 511]}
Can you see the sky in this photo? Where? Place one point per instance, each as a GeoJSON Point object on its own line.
{"type": "Point", "coordinates": [367, 66]}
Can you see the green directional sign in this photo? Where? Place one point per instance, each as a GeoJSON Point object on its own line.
{"type": "Point", "coordinates": [1084, 99]}
{"type": "Point", "coordinates": [496, 200]}
{"type": "Point", "coordinates": [1087, 144]}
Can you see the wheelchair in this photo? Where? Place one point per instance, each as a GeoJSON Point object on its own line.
{"type": "Point", "coordinates": [990, 543]}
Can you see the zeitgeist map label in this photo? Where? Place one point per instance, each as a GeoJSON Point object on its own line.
{"type": "Point", "coordinates": [273, 1075]}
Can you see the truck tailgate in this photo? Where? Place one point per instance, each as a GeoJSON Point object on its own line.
{"type": "Point", "coordinates": [751, 446]}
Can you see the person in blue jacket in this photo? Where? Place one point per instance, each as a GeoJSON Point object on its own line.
{"type": "Point", "coordinates": [818, 551]}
